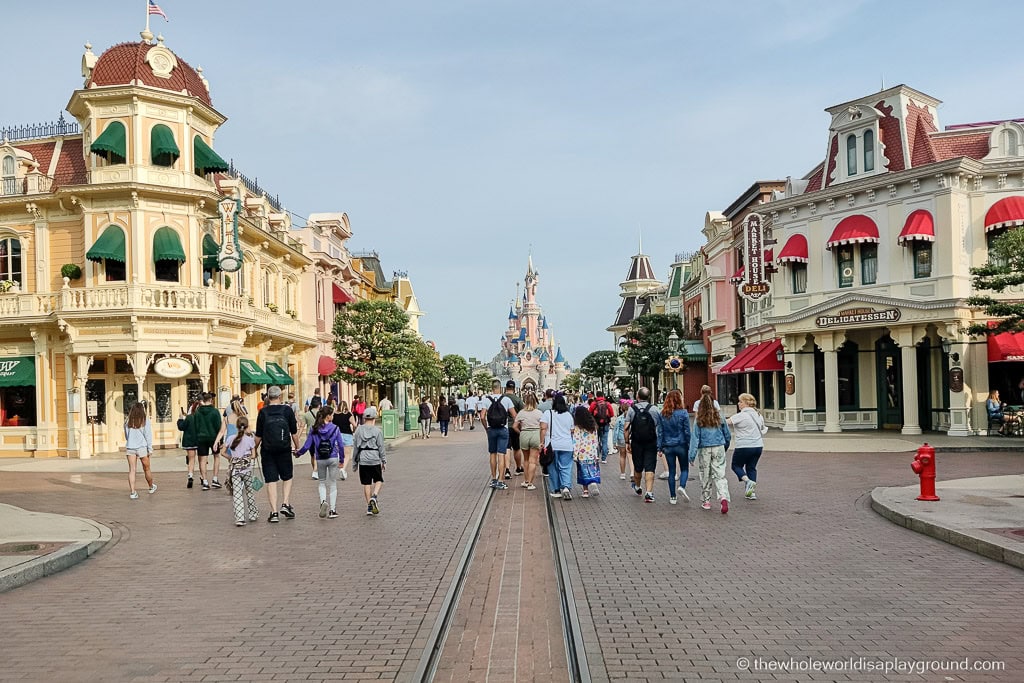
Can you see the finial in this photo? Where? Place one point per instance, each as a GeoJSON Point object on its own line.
{"type": "Point", "coordinates": [146, 35]}
{"type": "Point", "coordinates": [160, 39]}
{"type": "Point", "coordinates": [88, 45]}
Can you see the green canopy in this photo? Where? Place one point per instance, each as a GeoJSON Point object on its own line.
{"type": "Point", "coordinates": [18, 372]}
{"type": "Point", "coordinates": [206, 160]}
{"type": "Point", "coordinates": [693, 349]}
{"type": "Point", "coordinates": [162, 148]}
{"type": "Point", "coordinates": [111, 143]}
{"type": "Point", "coordinates": [278, 375]}
{"type": "Point", "coordinates": [167, 246]}
{"type": "Point", "coordinates": [252, 373]}
{"type": "Point", "coordinates": [109, 246]}
{"type": "Point", "coordinates": [210, 251]}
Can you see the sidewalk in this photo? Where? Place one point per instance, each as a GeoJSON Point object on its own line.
{"type": "Point", "coordinates": [876, 441]}
{"type": "Point", "coordinates": [37, 544]}
{"type": "Point", "coordinates": [984, 514]}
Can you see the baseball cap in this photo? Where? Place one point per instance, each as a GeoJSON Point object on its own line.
{"type": "Point", "coordinates": [511, 384]}
{"type": "Point", "coordinates": [370, 414]}
{"type": "Point", "coordinates": [274, 392]}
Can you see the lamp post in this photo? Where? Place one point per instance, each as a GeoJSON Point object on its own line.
{"type": "Point", "coordinates": [674, 364]}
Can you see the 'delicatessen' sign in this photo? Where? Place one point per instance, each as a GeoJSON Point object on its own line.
{"type": "Point", "coordinates": [857, 316]}
{"type": "Point", "coordinates": [755, 285]}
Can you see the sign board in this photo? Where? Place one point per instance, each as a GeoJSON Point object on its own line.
{"type": "Point", "coordinates": [173, 368]}
{"type": "Point", "coordinates": [229, 259]}
{"type": "Point", "coordinates": [92, 408]}
{"type": "Point", "coordinates": [754, 285]}
{"type": "Point", "coordinates": [856, 316]}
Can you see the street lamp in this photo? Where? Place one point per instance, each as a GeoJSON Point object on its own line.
{"type": "Point", "coordinates": [674, 363]}
{"type": "Point", "coordinates": [673, 342]}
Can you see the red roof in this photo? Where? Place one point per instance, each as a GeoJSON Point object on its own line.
{"type": "Point", "coordinates": [125, 64]}
{"type": "Point", "coordinates": [889, 133]}
{"type": "Point", "coordinates": [830, 163]}
{"type": "Point", "coordinates": [795, 250]}
{"type": "Point", "coordinates": [341, 296]}
{"type": "Point", "coordinates": [853, 229]}
{"type": "Point", "coordinates": [42, 153]}
{"type": "Point", "coordinates": [326, 366]}
{"type": "Point", "coordinates": [737, 363]}
{"type": "Point", "coordinates": [71, 165]}
{"type": "Point", "coordinates": [764, 359]}
{"type": "Point", "coordinates": [814, 182]}
{"type": "Point", "coordinates": [1005, 346]}
{"type": "Point", "coordinates": [919, 226]}
{"type": "Point", "coordinates": [973, 145]}
{"type": "Point", "coordinates": [1006, 213]}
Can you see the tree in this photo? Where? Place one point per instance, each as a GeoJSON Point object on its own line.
{"type": "Point", "coordinates": [1004, 269]}
{"type": "Point", "coordinates": [482, 380]}
{"type": "Point", "coordinates": [572, 382]}
{"type": "Point", "coordinates": [646, 346]}
{"type": "Point", "coordinates": [456, 370]}
{"type": "Point", "coordinates": [372, 338]}
{"type": "Point", "coordinates": [426, 369]}
{"type": "Point", "coordinates": [600, 366]}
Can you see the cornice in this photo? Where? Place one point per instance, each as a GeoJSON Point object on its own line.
{"type": "Point", "coordinates": [146, 92]}
{"type": "Point", "coordinates": [853, 297]}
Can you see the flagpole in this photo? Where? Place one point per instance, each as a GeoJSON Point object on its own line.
{"type": "Point", "coordinates": [147, 16]}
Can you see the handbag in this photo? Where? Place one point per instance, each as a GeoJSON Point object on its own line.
{"type": "Point", "coordinates": [257, 475]}
{"type": "Point", "coordinates": [547, 454]}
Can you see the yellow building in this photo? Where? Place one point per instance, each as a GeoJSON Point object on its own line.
{"type": "Point", "coordinates": [131, 197]}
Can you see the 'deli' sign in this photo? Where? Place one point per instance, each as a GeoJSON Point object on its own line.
{"type": "Point", "coordinates": [755, 285]}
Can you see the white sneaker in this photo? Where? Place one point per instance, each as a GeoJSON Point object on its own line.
{"type": "Point", "coordinates": [663, 475]}
{"type": "Point", "coordinates": [749, 490]}
{"type": "Point", "coordinates": [566, 494]}
{"type": "Point", "coordinates": [595, 490]}
{"type": "Point", "coordinates": [343, 474]}
{"type": "Point", "coordinates": [134, 495]}
{"type": "Point", "coordinates": [672, 501]}
{"type": "Point", "coordinates": [152, 489]}
{"type": "Point", "coordinates": [622, 476]}
{"type": "Point", "coordinates": [682, 492]}
{"type": "Point", "coordinates": [553, 494]}
{"type": "Point", "coordinates": [316, 476]}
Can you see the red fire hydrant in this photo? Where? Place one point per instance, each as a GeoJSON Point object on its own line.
{"type": "Point", "coordinates": [924, 467]}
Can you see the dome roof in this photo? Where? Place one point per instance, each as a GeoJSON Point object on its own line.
{"type": "Point", "coordinates": [126, 64]}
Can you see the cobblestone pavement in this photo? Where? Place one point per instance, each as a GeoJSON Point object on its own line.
{"type": "Point", "coordinates": [806, 572]}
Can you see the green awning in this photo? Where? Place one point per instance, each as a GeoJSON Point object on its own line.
{"type": "Point", "coordinates": [18, 372]}
{"type": "Point", "coordinates": [167, 246]}
{"type": "Point", "coordinates": [206, 160]}
{"type": "Point", "coordinates": [162, 148]}
{"type": "Point", "coordinates": [210, 251]}
{"type": "Point", "coordinates": [109, 246]}
{"type": "Point", "coordinates": [693, 349]}
{"type": "Point", "coordinates": [278, 375]}
{"type": "Point", "coordinates": [252, 373]}
{"type": "Point", "coordinates": [111, 143]}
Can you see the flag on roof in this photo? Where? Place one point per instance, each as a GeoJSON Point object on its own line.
{"type": "Point", "coordinates": [155, 9]}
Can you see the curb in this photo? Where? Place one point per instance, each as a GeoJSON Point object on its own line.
{"type": "Point", "coordinates": [967, 541]}
{"type": "Point", "coordinates": [55, 562]}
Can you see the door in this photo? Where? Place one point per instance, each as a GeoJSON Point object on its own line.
{"type": "Point", "coordinates": [889, 380]}
{"type": "Point", "coordinates": [924, 386]}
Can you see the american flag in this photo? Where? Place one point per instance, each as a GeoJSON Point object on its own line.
{"type": "Point", "coordinates": [155, 9]}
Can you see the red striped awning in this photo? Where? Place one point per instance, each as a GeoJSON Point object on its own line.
{"type": "Point", "coordinates": [1006, 213]}
{"type": "Point", "coordinates": [737, 363]}
{"type": "Point", "coordinates": [1005, 346]}
{"type": "Point", "coordinates": [919, 226]}
{"type": "Point", "coordinates": [853, 230]}
{"type": "Point", "coordinates": [765, 359]}
{"type": "Point", "coordinates": [737, 277]}
{"type": "Point", "coordinates": [326, 366]}
{"type": "Point", "coordinates": [341, 296]}
{"type": "Point", "coordinates": [795, 250]}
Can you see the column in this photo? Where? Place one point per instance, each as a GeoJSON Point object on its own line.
{"type": "Point", "coordinates": [828, 345]}
{"type": "Point", "coordinates": [205, 361]}
{"type": "Point", "coordinates": [908, 354]}
{"type": "Point", "coordinates": [46, 419]}
{"type": "Point", "coordinates": [78, 424]}
{"type": "Point", "coordinates": [140, 367]}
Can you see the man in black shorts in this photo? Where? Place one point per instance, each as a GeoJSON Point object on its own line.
{"type": "Point", "coordinates": [513, 435]}
{"type": "Point", "coordinates": [277, 436]}
{"type": "Point", "coordinates": [641, 433]}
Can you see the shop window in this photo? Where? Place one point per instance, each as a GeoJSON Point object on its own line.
{"type": "Point", "coordinates": [18, 406]}
{"type": "Point", "coordinates": [98, 367]}
{"type": "Point", "coordinates": [114, 271]}
{"type": "Point", "coordinates": [799, 275]}
{"type": "Point", "coordinates": [193, 390]}
{"type": "Point", "coordinates": [851, 155]}
{"type": "Point", "coordinates": [10, 260]}
{"type": "Point", "coordinates": [167, 270]}
{"type": "Point", "coordinates": [869, 150]}
{"type": "Point", "coordinates": [122, 366]}
{"type": "Point", "coordinates": [163, 402]}
{"type": "Point", "coordinates": [131, 397]}
{"type": "Point", "coordinates": [847, 366]}
{"type": "Point", "coordinates": [868, 264]}
{"type": "Point", "coordinates": [993, 258]}
{"type": "Point", "coordinates": [844, 261]}
{"type": "Point", "coordinates": [729, 389]}
{"type": "Point", "coordinates": [768, 379]}
{"type": "Point", "coordinates": [922, 259]}
{"type": "Point", "coordinates": [96, 390]}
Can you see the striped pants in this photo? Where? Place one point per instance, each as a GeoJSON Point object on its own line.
{"type": "Point", "coordinates": [242, 496]}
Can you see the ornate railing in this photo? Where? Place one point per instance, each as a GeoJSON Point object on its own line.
{"type": "Point", "coordinates": [35, 131]}
{"type": "Point", "coordinates": [253, 185]}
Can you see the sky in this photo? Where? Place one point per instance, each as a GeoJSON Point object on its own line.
{"type": "Point", "coordinates": [458, 134]}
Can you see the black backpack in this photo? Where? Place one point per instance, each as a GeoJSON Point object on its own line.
{"type": "Point", "coordinates": [275, 429]}
{"type": "Point", "coordinates": [497, 414]}
{"type": "Point", "coordinates": [324, 446]}
{"type": "Point", "coordinates": [604, 414]}
{"type": "Point", "coordinates": [642, 428]}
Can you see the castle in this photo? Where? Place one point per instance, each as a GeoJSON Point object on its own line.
{"type": "Point", "coordinates": [528, 352]}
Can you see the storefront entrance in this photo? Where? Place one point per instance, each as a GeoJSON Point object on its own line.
{"type": "Point", "coordinates": [889, 380]}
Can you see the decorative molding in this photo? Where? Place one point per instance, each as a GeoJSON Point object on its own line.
{"type": "Point", "coordinates": [892, 190]}
{"type": "Point", "coordinates": [871, 195]}
{"type": "Point", "coordinates": [866, 299]}
{"type": "Point", "coordinates": [1001, 181]}
{"type": "Point", "coordinates": [793, 213]}
{"type": "Point", "coordinates": [813, 207]}
{"type": "Point", "coordinates": [831, 204]}
{"type": "Point", "coordinates": [940, 179]}
{"type": "Point", "coordinates": [915, 185]}
{"type": "Point", "coordinates": [850, 200]}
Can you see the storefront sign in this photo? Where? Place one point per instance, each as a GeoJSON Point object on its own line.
{"type": "Point", "coordinates": [230, 257]}
{"type": "Point", "coordinates": [173, 368]}
{"type": "Point", "coordinates": [755, 285]}
{"type": "Point", "coordinates": [956, 380]}
{"type": "Point", "coordinates": [857, 316]}
{"type": "Point", "coordinates": [790, 384]}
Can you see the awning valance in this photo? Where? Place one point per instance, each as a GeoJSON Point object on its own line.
{"type": "Point", "coordinates": [210, 251]}
{"type": "Point", "coordinates": [1006, 213]}
{"type": "Point", "coordinates": [852, 230]}
{"type": "Point", "coordinates": [110, 245]}
{"type": "Point", "coordinates": [693, 349]}
{"type": "Point", "coordinates": [167, 246]}
{"type": "Point", "coordinates": [206, 160]}
{"type": "Point", "coordinates": [795, 250]}
{"type": "Point", "coordinates": [19, 371]}
{"type": "Point", "coordinates": [1005, 346]}
{"type": "Point", "coordinates": [736, 364]}
{"type": "Point", "coordinates": [252, 373]}
{"type": "Point", "coordinates": [111, 144]}
{"type": "Point", "coordinates": [278, 375]}
{"type": "Point", "coordinates": [737, 277]}
{"type": "Point", "coordinates": [919, 226]}
{"type": "Point", "coordinates": [341, 296]}
{"type": "Point", "coordinates": [765, 359]}
{"type": "Point", "coordinates": [326, 366]}
{"type": "Point", "coordinates": [163, 150]}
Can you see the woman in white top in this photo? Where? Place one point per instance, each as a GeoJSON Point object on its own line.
{"type": "Point", "coordinates": [556, 429]}
{"type": "Point", "coordinates": [138, 434]}
{"type": "Point", "coordinates": [748, 430]}
{"type": "Point", "coordinates": [527, 424]}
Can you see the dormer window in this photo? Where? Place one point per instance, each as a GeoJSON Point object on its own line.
{"type": "Point", "coordinates": [8, 178]}
{"type": "Point", "coordinates": [851, 155]}
{"type": "Point", "coordinates": [1008, 142]}
{"type": "Point", "coordinates": [869, 150]}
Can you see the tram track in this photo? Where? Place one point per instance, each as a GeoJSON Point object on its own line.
{"type": "Point", "coordinates": [579, 669]}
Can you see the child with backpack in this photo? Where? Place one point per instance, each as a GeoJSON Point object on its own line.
{"type": "Point", "coordinates": [241, 454]}
{"type": "Point", "coordinates": [325, 444]}
{"type": "Point", "coordinates": [586, 452]}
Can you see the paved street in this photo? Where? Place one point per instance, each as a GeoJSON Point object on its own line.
{"type": "Point", "coordinates": [665, 593]}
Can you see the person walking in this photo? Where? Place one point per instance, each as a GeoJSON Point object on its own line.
{"type": "Point", "coordinates": [208, 422]}
{"type": "Point", "coordinates": [240, 451]}
{"type": "Point", "coordinates": [472, 406]}
{"type": "Point", "coordinates": [228, 426]}
{"type": "Point", "coordinates": [277, 437]}
{"type": "Point", "coordinates": [189, 442]}
{"type": "Point", "coordinates": [138, 434]}
{"type": "Point", "coordinates": [708, 443]}
{"type": "Point", "coordinates": [556, 431]}
{"type": "Point", "coordinates": [444, 416]}
{"type": "Point", "coordinates": [527, 425]}
{"type": "Point", "coordinates": [748, 430]}
{"type": "Point", "coordinates": [641, 433]}
{"type": "Point", "coordinates": [315, 401]}
{"type": "Point", "coordinates": [345, 421]}
{"type": "Point", "coordinates": [325, 444]}
{"type": "Point", "coordinates": [603, 414]}
{"type": "Point", "coordinates": [305, 423]}
{"type": "Point", "coordinates": [496, 411]}
{"type": "Point", "coordinates": [461, 403]}
{"type": "Point", "coordinates": [674, 443]}
{"type": "Point", "coordinates": [369, 456]}
{"type": "Point", "coordinates": [359, 409]}
{"type": "Point", "coordinates": [426, 416]}
{"type": "Point", "coordinates": [619, 441]}
{"type": "Point", "coordinates": [513, 436]}
{"type": "Point", "coordinates": [586, 452]}
{"type": "Point", "coordinates": [384, 404]}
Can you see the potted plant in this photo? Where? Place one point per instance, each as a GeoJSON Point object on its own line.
{"type": "Point", "coordinates": [7, 286]}
{"type": "Point", "coordinates": [272, 307]}
{"type": "Point", "coordinates": [292, 313]}
{"type": "Point", "coordinates": [227, 282]}
{"type": "Point", "coordinates": [71, 271]}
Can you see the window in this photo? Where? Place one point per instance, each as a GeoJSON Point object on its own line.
{"type": "Point", "coordinates": [10, 260]}
{"type": "Point", "coordinates": [131, 397]}
{"type": "Point", "coordinates": [167, 270]}
{"type": "Point", "coordinates": [1007, 144]}
{"type": "Point", "coordinates": [869, 150]}
{"type": "Point", "coordinates": [267, 289]}
{"type": "Point", "coordinates": [193, 390]}
{"type": "Point", "coordinates": [10, 182]}
{"type": "Point", "coordinates": [96, 390]}
{"type": "Point", "coordinates": [99, 367]}
{"type": "Point", "coordinates": [994, 258]}
{"type": "Point", "coordinates": [868, 264]}
{"type": "Point", "coordinates": [851, 155]}
{"type": "Point", "coordinates": [799, 278]}
{"type": "Point", "coordinates": [768, 378]}
{"type": "Point", "coordinates": [122, 367]}
{"type": "Point", "coordinates": [113, 270]}
{"type": "Point", "coordinates": [847, 372]}
{"type": "Point", "coordinates": [844, 258]}
{"type": "Point", "coordinates": [163, 402]}
{"type": "Point", "coordinates": [18, 407]}
{"type": "Point", "coordinates": [922, 259]}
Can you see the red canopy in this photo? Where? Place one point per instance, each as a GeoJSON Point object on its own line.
{"type": "Point", "coordinates": [1005, 346]}
{"type": "Point", "coordinates": [341, 296]}
{"type": "Point", "coordinates": [737, 363]}
{"type": "Point", "coordinates": [737, 276]}
{"type": "Point", "coordinates": [795, 250]}
{"type": "Point", "coordinates": [919, 226]}
{"type": "Point", "coordinates": [765, 359]}
{"type": "Point", "coordinates": [853, 229]}
{"type": "Point", "coordinates": [326, 366]}
{"type": "Point", "coordinates": [1006, 213]}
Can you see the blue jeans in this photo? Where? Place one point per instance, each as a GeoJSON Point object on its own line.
{"type": "Point", "coordinates": [602, 442]}
{"type": "Point", "coordinates": [560, 471]}
{"type": "Point", "coordinates": [744, 462]}
{"type": "Point", "coordinates": [443, 425]}
{"type": "Point", "coordinates": [673, 453]}
{"type": "Point", "coordinates": [497, 440]}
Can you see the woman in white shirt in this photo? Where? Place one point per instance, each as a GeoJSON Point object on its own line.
{"type": "Point", "coordinates": [748, 430]}
{"type": "Point", "coordinates": [556, 430]}
{"type": "Point", "coordinates": [138, 434]}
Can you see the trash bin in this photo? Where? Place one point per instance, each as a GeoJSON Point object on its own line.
{"type": "Point", "coordinates": [412, 418]}
{"type": "Point", "coordinates": [389, 422]}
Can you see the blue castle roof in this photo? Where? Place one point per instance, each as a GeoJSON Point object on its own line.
{"type": "Point", "coordinates": [511, 314]}
{"type": "Point", "coordinates": [544, 357]}
{"type": "Point", "coordinates": [559, 358]}
{"type": "Point", "coordinates": [522, 334]}
{"type": "Point", "coordinates": [513, 358]}
{"type": "Point", "coordinates": [544, 325]}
